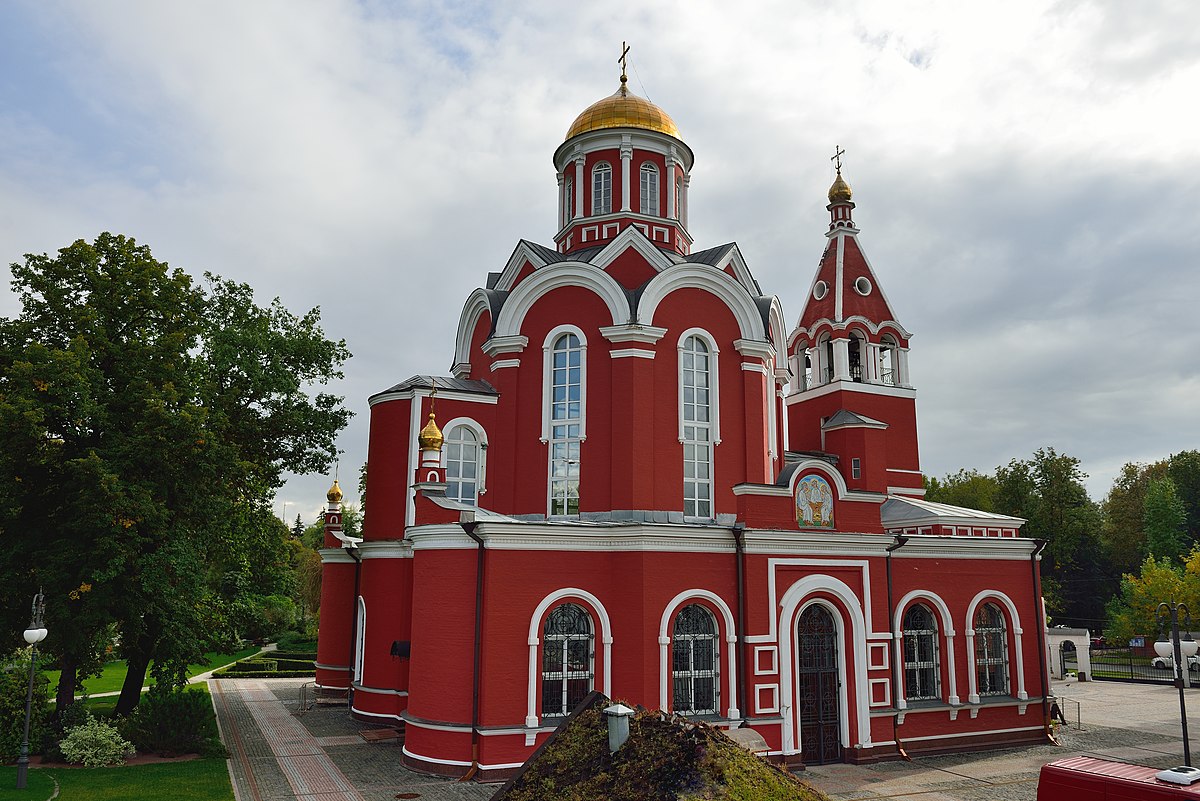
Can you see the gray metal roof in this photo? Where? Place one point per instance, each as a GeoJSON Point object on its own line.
{"type": "Point", "coordinates": [447, 383]}
{"type": "Point", "coordinates": [903, 511]}
{"type": "Point", "coordinates": [845, 417]}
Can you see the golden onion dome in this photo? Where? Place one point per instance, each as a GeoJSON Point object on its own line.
{"type": "Point", "coordinates": [840, 191]}
{"type": "Point", "coordinates": [430, 438]}
{"type": "Point", "coordinates": [623, 110]}
{"type": "Point", "coordinates": [335, 493]}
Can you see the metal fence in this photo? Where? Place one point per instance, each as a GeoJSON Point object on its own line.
{"type": "Point", "coordinates": [1123, 664]}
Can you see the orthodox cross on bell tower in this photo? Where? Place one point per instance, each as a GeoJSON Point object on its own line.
{"type": "Point", "coordinates": [622, 60]}
{"type": "Point", "coordinates": [836, 158]}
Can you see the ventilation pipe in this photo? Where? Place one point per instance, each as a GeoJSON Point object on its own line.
{"type": "Point", "coordinates": [617, 716]}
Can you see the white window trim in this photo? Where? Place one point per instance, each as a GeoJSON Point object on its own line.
{"type": "Point", "coordinates": [481, 435]}
{"type": "Point", "coordinates": [596, 169]}
{"type": "Point", "coordinates": [360, 641]}
{"type": "Point", "coordinates": [667, 625]}
{"type": "Point", "coordinates": [656, 197]}
{"type": "Point", "coordinates": [1014, 620]}
{"type": "Point", "coordinates": [714, 382]}
{"type": "Point", "coordinates": [946, 630]}
{"type": "Point", "coordinates": [548, 375]}
{"type": "Point", "coordinates": [535, 666]}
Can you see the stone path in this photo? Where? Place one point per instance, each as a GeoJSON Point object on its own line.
{"type": "Point", "coordinates": [321, 755]}
{"type": "Point", "coordinates": [318, 756]}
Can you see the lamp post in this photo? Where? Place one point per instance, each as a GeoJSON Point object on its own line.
{"type": "Point", "coordinates": [33, 635]}
{"type": "Point", "coordinates": [1179, 651]}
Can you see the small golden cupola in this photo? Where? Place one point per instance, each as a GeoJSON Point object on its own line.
{"type": "Point", "coordinates": [335, 493]}
{"type": "Point", "coordinates": [430, 438]}
{"type": "Point", "coordinates": [840, 192]}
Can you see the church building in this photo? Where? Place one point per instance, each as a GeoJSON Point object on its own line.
{"type": "Point", "coordinates": [639, 478]}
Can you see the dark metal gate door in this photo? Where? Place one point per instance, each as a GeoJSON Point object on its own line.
{"type": "Point", "coordinates": [820, 732]}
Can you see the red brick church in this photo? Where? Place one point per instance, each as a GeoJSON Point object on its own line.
{"type": "Point", "coordinates": [638, 478]}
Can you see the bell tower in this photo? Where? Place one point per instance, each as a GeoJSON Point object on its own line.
{"type": "Point", "coordinates": [851, 393]}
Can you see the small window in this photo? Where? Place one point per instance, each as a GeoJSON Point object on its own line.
{"type": "Point", "coordinates": [820, 289]}
{"type": "Point", "coordinates": [991, 651]}
{"type": "Point", "coordinates": [566, 659]}
{"type": "Point", "coordinates": [921, 672]}
{"type": "Point", "coordinates": [856, 468]}
{"type": "Point", "coordinates": [862, 285]}
{"type": "Point", "coordinates": [601, 188]}
{"type": "Point", "coordinates": [694, 652]}
{"type": "Point", "coordinates": [463, 465]}
{"type": "Point", "coordinates": [649, 174]}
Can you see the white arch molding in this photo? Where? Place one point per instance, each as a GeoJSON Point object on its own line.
{"type": "Point", "coordinates": [476, 306]}
{"type": "Point", "coordinates": [664, 645]}
{"type": "Point", "coordinates": [947, 623]}
{"type": "Point", "coordinates": [481, 435]}
{"type": "Point", "coordinates": [794, 601]}
{"type": "Point", "coordinates": [568, 274]}
{"type": "Point", "coordinates": [1017, 631]}
{"type": "Point", "coordinates": [535, 623]}
{"type": "Point", "coordinates": [701, 276]}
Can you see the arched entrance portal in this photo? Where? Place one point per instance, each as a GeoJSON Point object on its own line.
{"type": "Point", "coordinates": [820, 729]}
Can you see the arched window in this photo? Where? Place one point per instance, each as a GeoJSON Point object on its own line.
{"type": "Point", "coordinates": [921, 671]}
{"type": "Point", "coordinates": [567, 659]}
{"type": "Point", "coordinates": [649, 173]}
{"type": "Point", "coordinates": [566, 417]}
{"type": "Point", "coordinates": [464, 464]}
{"type": "Point", "coordinates": [695, 377]}
{"type": "Point", "coordinates": [601, 188]}
{"type": "Point", "coordinates": [826, 348]}
{"type": "Point", "coordinates": [991, 651]}
{"type": "Point", "coordinates": [569, 200]}
{"type": "Point", "coordinates": [694, 672]}
{"type": "Point", "coordinates": [887, 362]}
{"type": "Point", "coordinates": [858, 357]}
{"type": "Point", "coordinates": [679, 197]}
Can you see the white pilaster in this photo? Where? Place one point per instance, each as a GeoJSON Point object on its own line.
{"type": "Point", "coordinates": [626, 160]}
{"type": "Point", "coordinates": [562, 214]}
{"type": "Point", "coordinates": [902, 368]}
{"type": "Point", "coordinates": [841, 359]}
{"type": "Point", "coordinates": [671, 185]}
{"type": "Point", "coordinates": [579, 160]}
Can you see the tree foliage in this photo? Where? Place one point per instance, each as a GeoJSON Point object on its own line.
{"type": "Point", "coordinates": [146, 421]}
{"type": "Point", "coordinates": [1164, 520]}
{"type": "Point", "coordinates": [1134, 612]}
{"type": "Point", "coordinates": [967, 488]}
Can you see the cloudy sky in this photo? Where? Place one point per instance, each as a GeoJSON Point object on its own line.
{"type": "Point", "coordinates": [1027, 176]}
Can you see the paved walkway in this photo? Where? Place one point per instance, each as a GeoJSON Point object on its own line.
{"type": "Point", "coordinates": [321, 755]}
{"type": "Point", "coordinates": [317, 756]}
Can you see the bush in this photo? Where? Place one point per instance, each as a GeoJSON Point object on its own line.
{"type": "Point", "coordinates": [174, 722]}
{"type": "Point", "coordinates": [14, 686]}
{"type": "Point", "coordinates": [60, 724]}
{"type": "Point", "coordinates": [96, 744]}
{"type": "Point", "coordinates": [295, 641]}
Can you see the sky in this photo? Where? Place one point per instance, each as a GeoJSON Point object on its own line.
{"type": "Point", "coordinates": [1027, 177]}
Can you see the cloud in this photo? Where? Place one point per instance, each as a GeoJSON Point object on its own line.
{"type": "Point", "coordinates": [1023, 173]}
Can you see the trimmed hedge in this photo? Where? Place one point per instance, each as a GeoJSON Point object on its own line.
{"type": "Point", "coordinates": [269, 665]}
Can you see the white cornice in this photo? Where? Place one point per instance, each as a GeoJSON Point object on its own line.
{"type": "Point", "coordinates": [633, 332]}
{"type": "Point", "coordinates": [631, 237]}
{"type": "Point", "coordinates": [500, 364]}
{"type": "Point", "coordinates": [841, 326]}
{"type": "Point", "coordinates": [510, 344]}
{"type": "Point", "coordinates": [443, 394]}
{"type": "Point", "coordinates": [753, 349]}
{"type": "Point", "coordinates": [625, 353]}
{"type": "Point", "coordinates": [386, 549]}
{"type": "Point", "coordinates": [851, 386]}
{"type": "Point", "coordinates": [335, 556]}
{"type": "Point", "coordinates": [925, 546]}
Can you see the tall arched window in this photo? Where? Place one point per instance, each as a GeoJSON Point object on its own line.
{"type": "Point", "coordinates": [695, 678]}
{"type": "Point", "coordinates": [649, 173]}
{"type": "Point", "coordinates": [858, 357]}
{"type": "Point", "coordinates": [567, 659]}
{"type": "Point", "coordinates": [887, 362]}
{"type": "Point", "coordinates": [991, 651]}
{"type": "Point", "coordinates": [695, 376]}
{"type": "Point", "coordinates": [569, 200]}
{"type": "Point", "coordinates": [566, 417]}
{"type": "Point", "coordinates": [679, 197]}
{"type": "Point", "coordinates": [464, 464]}
{"type": "Point", "coordinates": [601, 188]}
{"type": "Point", "coordinates": [921, 671]}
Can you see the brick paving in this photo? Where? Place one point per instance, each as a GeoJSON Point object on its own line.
{"type": "Point", "coordinates": [276, 754]}
{"type": "Point", "coordinates": [320, 755]}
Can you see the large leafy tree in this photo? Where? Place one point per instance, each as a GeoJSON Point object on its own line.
{"type": "Point", "coordinates": [1134, 612]}
{"type": "Point", "coordinates": [967, 488]}
{"type": "Point", "coordinates": [146, 421]}
{"type": "Point", "coordinates": [1164, 519]}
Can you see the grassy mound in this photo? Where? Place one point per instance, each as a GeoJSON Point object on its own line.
{"type": "Point", "coordinates": [664, 759]}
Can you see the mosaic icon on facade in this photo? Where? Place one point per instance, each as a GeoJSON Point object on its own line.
{"type": "Point", "coordinates": [814, 503]}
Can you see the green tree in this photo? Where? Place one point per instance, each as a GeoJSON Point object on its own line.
{"type": "Point", "coordinates": [1164, 520]}
{"type": "Point", "coordinates": [1184, 470]}
{"type": "Point", "coordinates": [1134, 612]}
{"type": "Point", "coordinates": [1123, 533]}
{"type": "Point", "coordinates": [146, 422]}
{"type": "Point", "coordinates": [967, 488]}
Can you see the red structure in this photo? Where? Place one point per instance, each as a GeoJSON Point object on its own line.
{"type": "Point", "coordinates": [637, 479]}
{"type": "Point", "coordinates": [1089, 779]}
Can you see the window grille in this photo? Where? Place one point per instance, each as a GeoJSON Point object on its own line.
{"type": "Point", "coordinates": [567, 658]}
{"type": "Point", "coordinates": [991, 651]}
{"type": "Point", "coordinates": [695, 677]}
{"type": "Point", "coordinates": [921, 673]}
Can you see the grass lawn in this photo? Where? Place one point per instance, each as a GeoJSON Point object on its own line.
{"type": "Point", "coordinates": [198, 780]}
{"type": "Point", "coordinates": [113, 675]}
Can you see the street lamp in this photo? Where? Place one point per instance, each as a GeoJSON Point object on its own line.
{"type": "Point", "coordinates": [1179, 651]}
{"type": "Point", "coordinates": [33, 635]}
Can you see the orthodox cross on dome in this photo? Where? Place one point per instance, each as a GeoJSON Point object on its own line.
{"type": "Point", "coordinates": [836, 158]}
{"type": "Point", "coordinates": [433, 394]}
{"type": "Point", "coordinates": [621, 61]}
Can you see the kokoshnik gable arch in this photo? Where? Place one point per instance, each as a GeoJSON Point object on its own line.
{"type": "Point", "coordinates": [646, 485]}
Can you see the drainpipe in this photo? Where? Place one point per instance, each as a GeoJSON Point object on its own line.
{"type": "Point", "coordinates": [469, 528]}
{"type": "Point", "coordinates": [1038, 611]}
{"type": "Point", "coordinates": [739, 546]}
{"type": "Point", "coordinates": [891, 611]}
{"type": "Point", "coordinates": [352, 550]}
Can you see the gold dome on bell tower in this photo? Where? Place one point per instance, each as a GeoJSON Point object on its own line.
{"type": "Point", "coordinates": [623, 109]}
{"type": "Point", "coordinates": [335, 493]}
{"type": "Point", "coordinates": [430, 438]}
